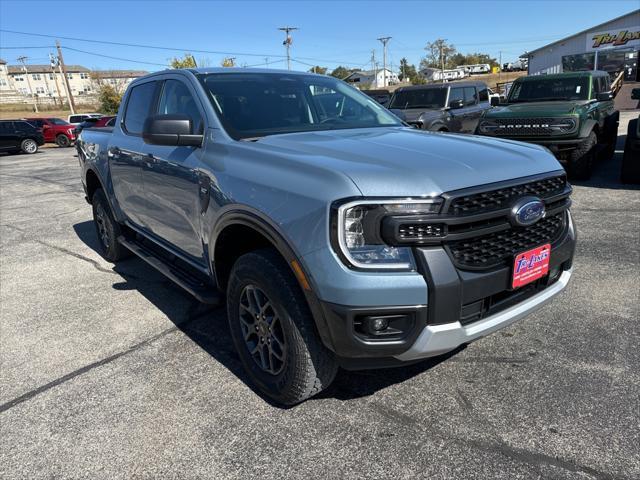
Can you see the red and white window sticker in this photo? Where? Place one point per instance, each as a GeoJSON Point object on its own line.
{"type": "Point", "coordinates": [531, 265]}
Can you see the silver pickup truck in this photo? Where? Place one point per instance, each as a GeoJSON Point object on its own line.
{"type": "Point", "coordinates": [338, 236]}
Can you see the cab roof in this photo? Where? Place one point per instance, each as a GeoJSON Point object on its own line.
{"type": "Point", "coordinates": [588, 73]}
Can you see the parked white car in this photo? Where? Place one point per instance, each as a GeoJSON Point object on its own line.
{"type": "Point", "coordinates": [81, 117]}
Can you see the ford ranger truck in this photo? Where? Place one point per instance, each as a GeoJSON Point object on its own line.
{"type": "Point", "coordinates": [338, 236]}
{"type": "Point", "coordinates": [572, 114]}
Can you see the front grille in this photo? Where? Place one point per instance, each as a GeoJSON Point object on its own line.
{"type": "Point", "coordinates": [531, 127]}
{"type": "Point", "coordinates": [499, 248]}
{"type": "Point", "coordinates": [503, 197]}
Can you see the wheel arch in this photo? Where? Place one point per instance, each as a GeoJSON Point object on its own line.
{"type": "Point", "coordinates": [92, 183]}
{"type": "Point", "coordinates": [242, 230]}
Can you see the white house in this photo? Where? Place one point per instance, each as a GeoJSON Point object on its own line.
{"type": "Point", "coordinates": [373, 79]}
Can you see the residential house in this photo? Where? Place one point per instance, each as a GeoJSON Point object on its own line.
{"type": "Point", "coordinates": [372, 79]}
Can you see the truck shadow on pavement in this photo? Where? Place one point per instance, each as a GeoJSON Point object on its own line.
{"type": "Point", "coordinates": [207, 327]}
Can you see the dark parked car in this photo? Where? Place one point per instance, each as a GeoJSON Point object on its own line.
{"type": "Point", "coordinates": [631, 159]}
{"type": "Point", "coordinates": [55, 130]}
{"type": "Point", "coordinates": [444, 107]}
{"type": "Point", "coordinates": [19, 136]}
{"type": "Point", "coordinates": [380, 96]}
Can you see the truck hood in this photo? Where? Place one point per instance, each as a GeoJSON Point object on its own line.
{"type": "Point", "coordinates": [536, 109]}
{"type": "Point", "coordinates": [398, 161]}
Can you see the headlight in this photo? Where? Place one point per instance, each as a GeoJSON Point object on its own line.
{"type": "Point", "coordinates": [487, 126]}
{"type": "Point", "coordinates": [357, 232]}
{"type": "Point", "coordinates": [563, 125]}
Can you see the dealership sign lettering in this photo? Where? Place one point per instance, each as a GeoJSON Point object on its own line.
{"type": "Point", "coordinates": [624, 37]}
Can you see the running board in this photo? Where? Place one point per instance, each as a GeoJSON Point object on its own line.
{"type": "Point", "coordinates": [204, 293]}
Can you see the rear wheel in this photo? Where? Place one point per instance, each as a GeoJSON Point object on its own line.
{"type": "Point", "coordinates": [273, 330]}
{"type": "Point", "coordinates": [107, 228]}
{"type": "Point", "coordinates": [29, 145]}
{"type": "Point", "coordinates": [63, 140]}
{"type": "Point", "coordinates": [581, 159]}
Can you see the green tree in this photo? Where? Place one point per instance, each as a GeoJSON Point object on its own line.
{"type": "Point", "coordinates": [408, 72]}
{"type": "Point", "coordinates": [318, 69]}
{"type": "Point", "coordinates": [109, 98]}
{"type": "Point", "coordinates": [341, 72]}
{"type": "Point", "coordinates": [188, 61]}
{"type": "Point", "coordinates": [435, 50]}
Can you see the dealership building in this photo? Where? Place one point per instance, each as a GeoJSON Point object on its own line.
{"type": "Point", "coordinates": [612, 46]}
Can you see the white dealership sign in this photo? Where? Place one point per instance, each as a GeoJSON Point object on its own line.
{"type": "Point", "coordinates": [624, 37]}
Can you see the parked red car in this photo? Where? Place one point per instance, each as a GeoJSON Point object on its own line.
{"type": "Point", "coordinates": [55, 130]}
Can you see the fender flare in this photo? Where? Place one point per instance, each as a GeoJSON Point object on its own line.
{"type": "Point", "coordinates": [586, 127]}
{"type": "Point", "coordinates": [258, 221]}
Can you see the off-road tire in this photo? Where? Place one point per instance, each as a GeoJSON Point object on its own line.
{"type": "Point", "coordinates": [29, 145]}
{"type": "Point", "coordinates": [107, 229]}
{"type": "Point", "coordinates": [630, 172]}
{"type": "Point", "coordinates": [581, 160]}
{"type": "Point", "coordinates": [610, 138]}
{"type": "Point", "coordinates": [309, 367]}
{"type": "Point", "coordinates": [63, 141]}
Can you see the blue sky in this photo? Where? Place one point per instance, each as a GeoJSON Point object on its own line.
{"type": "Point", "coordinates": [333, 32]}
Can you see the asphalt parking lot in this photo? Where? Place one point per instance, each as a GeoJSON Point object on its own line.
{"type": "Point", "coordinates": [112, 372]}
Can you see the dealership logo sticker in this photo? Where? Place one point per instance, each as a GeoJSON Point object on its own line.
{"type": "Point", "coordinates": [613, 38]}
{"type": "Point", "coordinates": [531, 265]}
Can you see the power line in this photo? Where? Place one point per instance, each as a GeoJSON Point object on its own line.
{"type": "Point", "coordinates": [138, 45]}
{"type": "Point", "coordinates": [116, 58]}
{"type": "Point", "coordinates": [24, 48]}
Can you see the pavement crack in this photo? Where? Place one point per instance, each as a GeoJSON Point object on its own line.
{"type": "Point", "coordinates": [69, 376]}
{"type": "Point", "coordinates": [498, 446]}
{"type": "Point", "coordinates": [66, 251]}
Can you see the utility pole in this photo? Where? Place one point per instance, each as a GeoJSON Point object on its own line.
{"type": "Point", "coordinates": [384, 41]}
{"type": "Point", "coordinates": [374, 65]}
{"type": "Point", "coordinates": [442, 60]}
{"type": "Point", "coordinates": [287, 42]}
{"type": "Point", "coordinates": [63, 70]}
{"type": "Point", "coordinates": [266, 62]}
{"type": "Point", "coordinates": [22, 60]}
{"type": "Point", "coordinates": [53, 62]}
{"type": "Point", "coordinates": [500, 66]}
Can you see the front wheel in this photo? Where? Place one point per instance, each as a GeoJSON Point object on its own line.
{"type": "Point", "coordinates": [583, 157]}
{"type": "Point", "coordinates": [63, 141]}
{"type": "Point", "coordinates": [273, 330]}
{"type": "Point", "coordinates": [29, 146]}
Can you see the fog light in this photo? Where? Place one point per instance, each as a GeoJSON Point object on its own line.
{"type": "Point", "coordinates": [378, 324]}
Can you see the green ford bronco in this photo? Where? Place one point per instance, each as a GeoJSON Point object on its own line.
{"type": "Point", "coordinates": [572, 114]}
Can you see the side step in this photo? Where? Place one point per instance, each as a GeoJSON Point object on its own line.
{"type": "Point", "coordinates": [204, 293]}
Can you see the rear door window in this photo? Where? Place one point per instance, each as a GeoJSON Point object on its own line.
{"type": "Point", "coordinates": [470, 96]}
{"type": "Point", "coordinates": [456, 94]}
{"type": "Point", "coordinates": [138, 107]}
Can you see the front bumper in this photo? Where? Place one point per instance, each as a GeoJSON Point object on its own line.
{"type": "Point", "coordinates": [461, 306]}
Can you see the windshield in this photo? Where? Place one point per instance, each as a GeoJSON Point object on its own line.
{"type": "Point", "coordinates": [253, 105]}
{"type": "Point", "coordinates": [423, 98]}
{"type": "Point", "coordinates": [57, 121]}
{"type": "Point", "coordinates": [549, 89]}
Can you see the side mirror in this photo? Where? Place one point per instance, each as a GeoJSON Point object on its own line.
{"type": "Point", "coordinates": [454, 104]}
{"type": "Point", "coordinates": [494, 101]}
{"type": "Point", "coordinates": [635, 94]}
{"type": "Point", "coordinates": [171, 130]}
{"type": "Point", "coordinates": [604, 96]}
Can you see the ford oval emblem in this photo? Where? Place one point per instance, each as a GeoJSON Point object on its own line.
{"type": "Point", "coordinates": [527, 211]}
